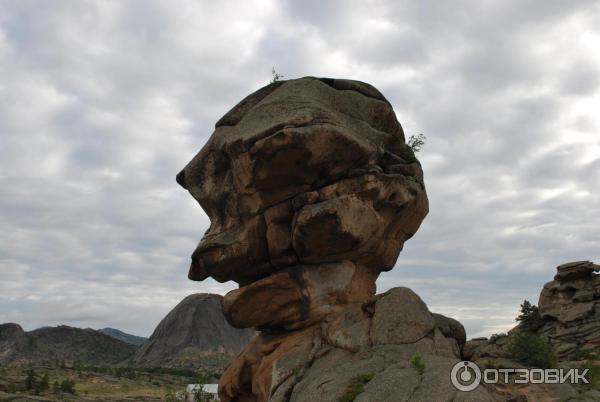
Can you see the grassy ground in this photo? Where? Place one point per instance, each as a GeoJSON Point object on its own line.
{"type": "Point", "coordinates": [95, 384]}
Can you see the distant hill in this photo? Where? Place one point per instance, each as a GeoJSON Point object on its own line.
{"type": "Point", "coordinates": [194, 334]}
{"type": "Point", "coordinates": [123, 336]}
{"type": "Point", "coordinates": [52, 345]}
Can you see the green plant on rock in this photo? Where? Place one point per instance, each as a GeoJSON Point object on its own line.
{"type": "Point", "coordinates": [408, 154]}
{"type": "Point", "coordinates": [416, 362]}
{"type": "Point", "coordinates": [355, 387]}
{"type": "Point", "coordinates": [276, 77]}
{"type": "Point", "coordinates": [532, 350]}
{"type": "Point", "coordinates": [416, 142]}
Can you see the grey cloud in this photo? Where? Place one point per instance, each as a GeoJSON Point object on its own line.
{"type": "Point", "coordinates": [106, 101]}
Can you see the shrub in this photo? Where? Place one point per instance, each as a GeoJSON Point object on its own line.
{"type": "Point", "coordinates": [170, 396]}
{"type": "Point", "coordinates": [594, 376]}
{"type": "Point", "coordinates": [355, 387]}
{"type": "Point", "coordinates": [55, 387]}
{"type": "Point", "coordinates": [586, 354]}
{"type": "Point", "coordinates": [276, 77]}
{"type": "Point", "coordinates": [532, 350]}
{"type": "Point", "coordinates": [30, 379]}
{"type": "Point", "coordinates": [496, 337]}
{"type": "Point", "coordinates": [68, 386]}
{"type": "Point", "coordinates": [416, 362]}
{"type": "Point", "coordinates": [416, 142]}
{"type": "Point", "coordinates": [44, 384]}
{"type": "Point", "coordinates": [529, 319]}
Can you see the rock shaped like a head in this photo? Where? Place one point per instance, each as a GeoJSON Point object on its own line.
{"type": "Point", "coordinates": [311, 191]}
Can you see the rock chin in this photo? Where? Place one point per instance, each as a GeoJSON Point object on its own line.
{"type": "Point", "coordinates": [375, 340]}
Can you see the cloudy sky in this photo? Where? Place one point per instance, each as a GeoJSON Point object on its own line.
{"type": "Point", "coordinates": [102, 103]}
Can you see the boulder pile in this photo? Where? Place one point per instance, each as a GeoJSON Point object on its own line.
{"type": "Point", "coordinates": [312, 191]}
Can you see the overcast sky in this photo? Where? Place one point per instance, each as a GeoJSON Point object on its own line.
{"type": "Point", "coordinates": [102, 103]}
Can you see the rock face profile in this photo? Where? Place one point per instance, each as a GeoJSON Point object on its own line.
{"type": "Point", "coordinates": [192, 334]}
{"type": "Point", "coordinates": [312, 191]}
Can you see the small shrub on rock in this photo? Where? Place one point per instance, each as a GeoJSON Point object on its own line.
{"type": "Point", "coordinates": [355, 387]}
{"type": "Point", "coordinates": [496, 337]}
{"type": "Point", "coordinates": [416, 362]}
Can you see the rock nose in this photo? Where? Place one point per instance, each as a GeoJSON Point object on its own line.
{"type": "Point", "coordinates": [180, 178]}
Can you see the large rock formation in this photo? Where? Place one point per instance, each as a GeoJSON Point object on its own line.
{"type": "Point", "coordinates": [195, 333]}
{"type": "Point", "coordinates": [51, 345]}
{"type": "Point", "coordinates": [312, 192]}
{"type": "Point", "coordinates": [570, 308]}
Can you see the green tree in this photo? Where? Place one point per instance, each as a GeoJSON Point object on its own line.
{"type": "Point", "coordinates": [68, 386]}
{"type": "Point", "coordinates": [30, 379]}
{"type": "Point", "coordinates": [44, 384]}
{"type": "Point", "coordinates": [532, 350]}
{"type": "Point", "coordinates": [55, 387]}
{"type": "Point", "coordinates": [529, 319]}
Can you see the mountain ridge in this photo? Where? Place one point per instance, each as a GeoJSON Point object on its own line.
{"type": "Point", "coordinates": [53, 345]}
{"type": "Point", "coordinates": [124, 336]}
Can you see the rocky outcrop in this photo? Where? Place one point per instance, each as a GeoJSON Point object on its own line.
{"type": "Point", "coordinates": [193, 334]}
{"type": "Point", "coordinates": [312, 191]}
{"type": "Point", "coordinates": [570, 308]}
{"type": "Point", "coordinates": [52, 345]}
{"type": "Point", "coordinates": [569, 320]}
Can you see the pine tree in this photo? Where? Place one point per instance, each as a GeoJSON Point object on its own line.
{"type": "Point", "coordinates": [55, 387]}
{"type": "Point", "coordinates": [529, 319]}
{"type": "Point", "coordinates": [30, 380]}
{"type": "Point", "coordinates": [44, 384]}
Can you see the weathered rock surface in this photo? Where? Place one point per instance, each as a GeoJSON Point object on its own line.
{"type": "Point", "coordinates": [320, 361]}
{"type": "Point", "coordinates": [312, 192]}
{"type": "Point", "coordinates": [570, 307]}
{"type": "Point", "coordinates": [191, 333]}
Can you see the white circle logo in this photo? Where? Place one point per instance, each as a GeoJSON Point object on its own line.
{"type": "Point", "coordinates": [465, 376]}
